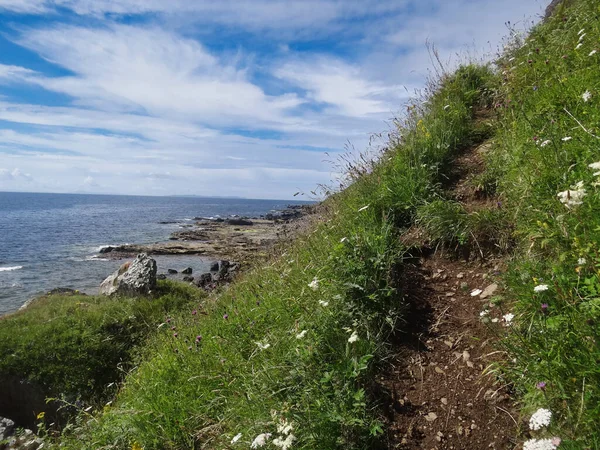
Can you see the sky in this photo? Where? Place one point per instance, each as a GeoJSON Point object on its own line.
{"type": "Point", "coordinates": [255, 99]}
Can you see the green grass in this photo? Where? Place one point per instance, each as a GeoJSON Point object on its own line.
{"type": "Point", "coordinates": [278, 344]}
{"type": "Point", "coordinates": [547, 137]}
{"type": "Point", "coordinates": [74, 346]}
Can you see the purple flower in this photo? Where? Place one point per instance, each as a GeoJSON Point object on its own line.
{"type": "Point", "coordinates": [175, 335]}
{"type": "Point", "coordinates": [173, 328]}
{"type": "Point", "coordinates": [190, 347]}
{"type": "Point", "coordinates": [225, 316]}
{"type": "Point", "coordinates": [194, 312]}
{"type": "Point", "coordinates": [544, 307]}
{"type": "Point", "coordinates": [541, 385]}
{"type": "Point", "coordinates": [168, 320]}
{"type": "Point", "coordinates": [530, 61]}
{"type": "Point", "coordinates": [198, 338]}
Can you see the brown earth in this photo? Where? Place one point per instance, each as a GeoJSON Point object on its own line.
{"type": "Point", "coordinates": [440, 389]}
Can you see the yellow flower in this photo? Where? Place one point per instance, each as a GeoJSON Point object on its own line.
{"type": "Point", "coordinates": [136, 446]}
{"type": "Point", "coordinates": [41, 415]}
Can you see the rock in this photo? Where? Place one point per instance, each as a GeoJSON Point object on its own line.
{"type": "Point", "coordinates": [431, 417]}
{"type": "Point", "coordinates": [204, 279]}
{"type": "Point", "coordinates": [224, 267]}
{"type": "Point", "coordinates": [171, 271]}
{"type": "Point", "coordinates": [488, 291]}
{"type": "Point", "coordinates": [214, 267]}
{"type": "Point", "coordinates": [7, 428]}
{"type": "Point", "coordinates": [161, 276]}
{"type": "Point", "coordinates": [188, 279]}
{"type": "Point", "coordinates": [236, 221]}
{"type": "Point", "coordinates": [187, 271]}
{"type": "Point", "coordinates": [107, 249]}
{"type": "Point", "coordinates": [135, 278]}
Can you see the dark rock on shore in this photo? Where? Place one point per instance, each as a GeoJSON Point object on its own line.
{"type": "Point", "coordinates": [135, 278]}
{"type": "Point", "coordinates": [240, 222]}
{"type": "Point", "coordinates": [187, 271]}
{"type": "Point", "coordinates": [188, 279]}
{"type": "Point", "coordinates": [214, 267]}
{"type": "Point", "coordinates": [171, 271]}
{"type": "Point", "coordinates": [204, 280]}
{"type": "Point", "coordinates": [161, 276]}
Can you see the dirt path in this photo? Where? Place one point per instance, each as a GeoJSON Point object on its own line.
{"type": "Point", "coordinates": [441, 394]}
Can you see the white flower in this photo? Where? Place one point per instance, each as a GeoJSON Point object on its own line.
{"type": "Point", "coordinates": [541, 418]}
{"type": "Point", "coordinates": [363, 208]}
{"type": "Point", "coordinates": [592, 53]}
{"type": "Point", "coordinates": [580, 31]}
{"type": "Point", "coordinates": [495, 320]}
{"type": "Point", "coordinates": [508, 318]}
{"type": "Point", "coordinates": [236, 438]}
{"type": "Point", "coordinates": [594, 166]}
{"type": "Point", "coordinates": [579, 46]}
{"type": "Point", "coordinates": [284, 427]}
{"type": "Point", "coordinates": [540, 288]}
{"type": "Point", "coordinates": [263, 346]}
{"type": "Point", "coordinates": [260, 440]}
{"type": "Point", "coordinates": [476, 292]}
{"type": "Point", "coordinates": [301, 334]}
{"type": "Point", "coordinates": [314, 284]}
{"type": "Point", "coordinates": [286, 443]}
{"type": "Point", "coordinates": [573, 196]}
{"type": "Point", "coordinates": [581, 261]}
{"type": "Point", "coordinates": [323, 303]}
{"type": "Point", "coordinates": [566, 138]}
{"type": "Point", "coordinates": [484, 313]}
{"type": "Point", "coordinates": [586, 96]}
{"type": "Point", "coordinates": [353, 337]}
{"type": "Point", "coordinates": [581, 37]}
{"type": "Point", "coordinates": [546, 142]}
{"type": "Point", "coordinates": [540, 444]}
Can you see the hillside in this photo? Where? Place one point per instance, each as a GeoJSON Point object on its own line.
{"type": "Point", "coordinates": [447, 297]}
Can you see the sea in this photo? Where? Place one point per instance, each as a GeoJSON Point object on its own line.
{"type": "Point", "coordinates": [54, 240]}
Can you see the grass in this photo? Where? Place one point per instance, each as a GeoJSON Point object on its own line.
{"type": "Point", "coordinates": [547, 137]}
{"type": "Point", "coordinates": [75, 346]}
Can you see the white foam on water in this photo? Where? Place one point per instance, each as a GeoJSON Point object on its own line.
{"type": "Point", "coordinates": [8, 269]}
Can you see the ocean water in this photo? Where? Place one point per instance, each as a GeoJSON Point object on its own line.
{"type": "Point", "coordinates": [53, 240]}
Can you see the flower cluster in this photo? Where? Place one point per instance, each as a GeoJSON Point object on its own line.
{"type": "Point", "coordinates": [540, 419]}
{"type": "Point", "coordinates": [541, 444]}
{"type": "Point", "coordinates": [540, 288]}
{"type": "Point", "coordinates": [260, 440]}
{"type": "Point", "coordinates": [314, 284]}
{"type": "Point", "coordinates": [572, 197]}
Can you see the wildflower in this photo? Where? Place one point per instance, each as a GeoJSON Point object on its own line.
{"type": "Point", "coordinates": [595, 166]}
{"type": "Point", "coordinates": [284, 427]}
{"type": "Point", "coordinates": [484, 313]}
{"type": "Point", "coordinates": [363, 208]}
{"type": "Point", "coordinates": [574, 196]}
{"type": "Point", "coordinates": [301, 334]}
{"type": "Point", "coordinates": [286, 443]}
{"type": "Point", "coordinates": [508, 318]}
{"type": "Point", "coordinates": [198, 338]}
{"type": "Point", "coordinates": [566, 138]}
{"type": "Point", "coordinates": [581, 261]}
{"type": "Point", "coordinates": [544, 307]}
{"type": "Point", "coordinates": [41, 415]}
{"type": "Point", "coordinates": [579, 46]}
{"type": "Point", "coordinates": [260, 440]}
{"type": "Point", "coordinates": [314, 284]}
{"type": "Point", "coordinates": [263, 346]}
{"type": "Point", "coordinates": [539, 444]}
{"type": "Point", "coordinates": [236, 438]}
{"type": "Point", "coordinates": [476, 292]}
{"type": "Point", "coordinates": [175, 335]}
{"type": "Point", "coordinates": [541, 385]}
{"type": "Point", "coordinates": [354, 337]}
{"type": "Point", "coordinates": [581, 37]}
{"type": "Point", "coordinates": [323, 303]}
{"type": "Point", "coordinates": [540, 288]}
{"type": "Point", "coordinates": [225, 316]}
{"type": "Point", "coordinates": [546, 142]}
{"type": "Point", "coordinates": [189, 347]}
{"type": "Point", "coordinates": [586, 96]}
{"type": "Point", "coordinates": [495, 320]}
{"type": "Point", "coordinates": [592, 53]}
{"type": "Point", "coordinates": [580, 31]}
{"type": "Point", "coordinates": [194, 312]}
{"type": "Point", "coordinates": [540, 419]}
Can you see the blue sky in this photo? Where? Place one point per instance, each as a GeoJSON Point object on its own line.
{"type": "Point", "coordinates": [245, 98]}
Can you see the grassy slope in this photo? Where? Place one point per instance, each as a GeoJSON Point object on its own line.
{"type": "Point", "coordinates": [273, 348]}
{"type": "Point", "coordinates": [73, 346]}
{"type": "Point", "coordinates": [543, 149]}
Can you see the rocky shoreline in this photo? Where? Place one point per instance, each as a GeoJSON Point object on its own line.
{"type": "Point", "coordinates": [234, 238]}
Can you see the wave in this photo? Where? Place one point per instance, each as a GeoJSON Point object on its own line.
{"type": "Point", "coordinates": [95, 258]}
{"type": "Point", "coordinates": [8, 269]}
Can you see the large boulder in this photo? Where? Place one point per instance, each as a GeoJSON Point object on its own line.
{"type": "Point", "coordinates": [135, 278]}
{"type": "Point", "coordinates": [7, 427]}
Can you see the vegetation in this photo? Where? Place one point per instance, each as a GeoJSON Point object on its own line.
{"type": "Point", "coordinates": [286, 353]}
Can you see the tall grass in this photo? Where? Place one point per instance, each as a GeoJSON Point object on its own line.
{"type": "Point", "coordinates": [548, 108]}
{"type": "Point", "coordinates": [295, 342]}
